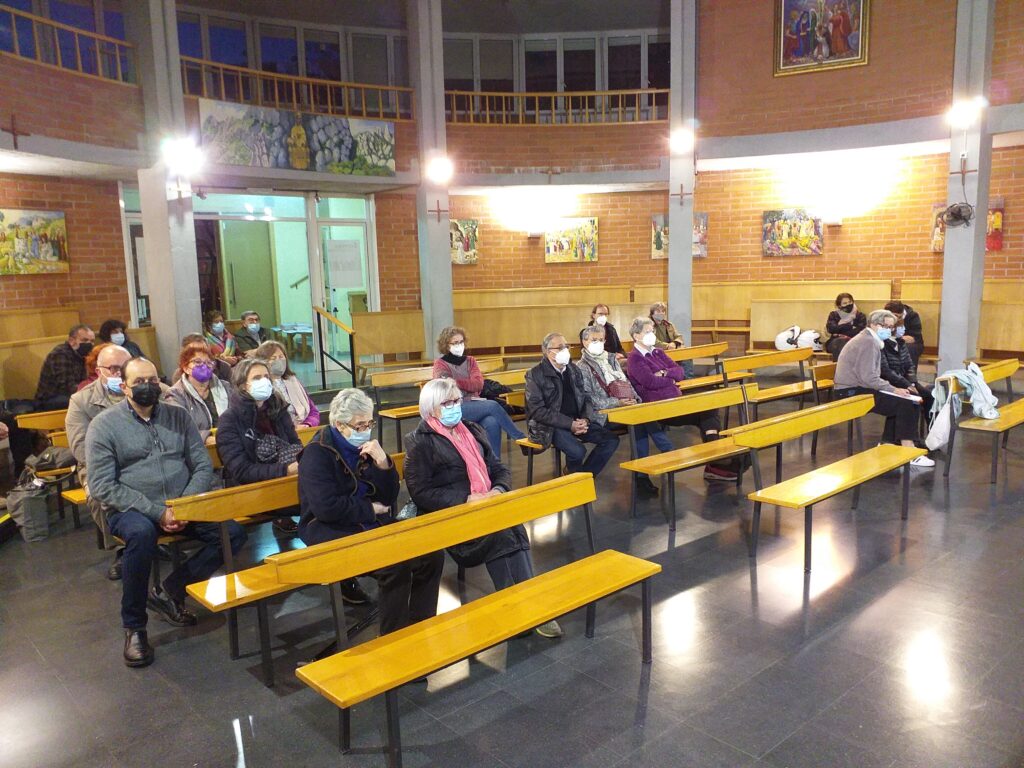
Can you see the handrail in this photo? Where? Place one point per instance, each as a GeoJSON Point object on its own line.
{"type": "Point", "coordinates": [327, 315]}
{"type": "Point", "coordinates": [227, 82]}
{"type": "Point", "coordinates": [562, 108]}
{"type": "Point", "coordinates": [322, 348]}
{"type": "Point", "coordinates": [98, 56]}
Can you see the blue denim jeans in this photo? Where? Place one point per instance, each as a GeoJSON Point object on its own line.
{"type": "Point", "coordinates": [647, 432]}
{"type": "Point", "coordinates": [493, 418]}
{"type": "Point", "coordinates": [576, 458]}
{"type": "Point", "coordinates": [140, 535]}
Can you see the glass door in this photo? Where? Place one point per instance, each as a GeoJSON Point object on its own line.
{"type": "Point", "coordinates": [346, 281]}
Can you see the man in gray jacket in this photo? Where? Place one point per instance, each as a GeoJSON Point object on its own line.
{"type": "Point", "coordinates": [140, 454]}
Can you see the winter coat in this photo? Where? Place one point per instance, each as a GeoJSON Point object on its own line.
{"type": "Point", "coordinates": [642, 370]}
{"type": "Point", "coordinates": [327, 492]}
{"type": "Point", "coordinates": [596, 393]}
{"type": "Point", "coordinates": [835, 327]}
{"type": "Point", "coordinates": [236, 440]}
{"type": "Point", "coordinates": [544, 401]}
{"type": "Point", "coordinates": [897, 365]}
{"type": "Point", "coordinates": [912, 325]}
{"type": "Point", "coordinates": [436, 477]}
{"type": "Point", "coordinates": [183, 394]}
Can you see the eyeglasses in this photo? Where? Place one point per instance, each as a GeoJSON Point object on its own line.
{"type": "Point", "coordinates": [451, 403]}
{"type": "Point", "coordinates": [365, 427]}
{"type": "Point", "coordinates": [115, 370]}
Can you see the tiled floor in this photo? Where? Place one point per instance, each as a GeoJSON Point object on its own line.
{"type": "Point", "coordinates": [904, 647]}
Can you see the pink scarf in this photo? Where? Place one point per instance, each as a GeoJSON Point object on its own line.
{"type": "Point", "coordinates": [466, 445]}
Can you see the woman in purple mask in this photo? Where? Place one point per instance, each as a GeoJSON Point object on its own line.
{"type": "Point", "coordinates": [198, 391]}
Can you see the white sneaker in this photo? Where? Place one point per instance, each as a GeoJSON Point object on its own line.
{"type": "Point", "coordinates": [923, 461]}
{"type": "Point", "coordinates": [549, 629]}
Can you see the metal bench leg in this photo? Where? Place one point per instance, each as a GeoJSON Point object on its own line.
{"type": "Point", "coordinates": [233, 633]}
{"type": "Point", "coordinates": [1006, 438]}
{"type": "Point", "coordinates": [949, 448]}
{"type": "Point", "coordinates": [398, 433]}
{"type": "Point", "coordinates": [394, 731]}
{"type": "Point", "coordinates": [529, 467]}
{"type": "Point", "coordinates": [345, 730]}
{"type": "Point", "coordinates": [588, 509]}
{"type": "Point", "coordinates": [995, 456]}
{"type": "Point", "coordinates": [905, 505]}
{"type": "Point", "coordinates": [591, 619]}
{"type": "Point", "coordinates": [849, 438]}
{"type": "Point", "coordinates": [460, 575]}
{"type": "Point", "coordinates": [814, 444]}
{"type": "Point", "coordinates": [778, 463]}
{"type": "Point", "coordinates": [755, 529]}
{"type": "Point", "coordinates": [632, 493]}
{"type": "Point", "coordinates": [671, 501]}
{"type": "Point", "coordinates": [856, 496]}
{"type": "Point", "coordinates": [263, 618]}
{"type": "Point", "coordinates": [225, 548]}
{"type": "Point", "coordinates": [645, 593]}
{"type": "Point", "coordinates": [808, 518]}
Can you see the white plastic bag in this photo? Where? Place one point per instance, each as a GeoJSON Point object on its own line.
{"type": "Point", "coordinates": [938, 435]}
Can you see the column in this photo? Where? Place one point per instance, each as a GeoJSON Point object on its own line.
{"type": "Point", "coordinates": [963, 264]}
{"type": "Point", "coordinates": [167, 222]}
{"type": "Point", "coordinates": [682, 171]}
{"type": "Point", "coordinates": [432, 208]}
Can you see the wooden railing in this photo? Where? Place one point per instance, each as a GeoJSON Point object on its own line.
{"type": "Point", "coordinates": [210, 80]}
{"type": "Point", "coordinates": [643, 105]}
{"type": "Point", "coordinates": [60, 45]}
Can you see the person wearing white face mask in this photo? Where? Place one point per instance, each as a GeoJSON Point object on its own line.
{"type": "Point", "coordinates": [348, 484]}
{"type": "Point", "coordinates": [561, 414]}
{"type": "Point", "coordinates": [221, 342]}
{"type": "Point", "coordinates": [300, 405]}
{"type": "Point", "coordinates": [455, 364]}
{"type": "Point", "coordinates": [251, 334]}
{"type": "Point", "coordinates": [113, 331]}
{"type": "Point", "coordinates": [599, 316]}
{"type": "Point", "coordinates": [859, 371]}
{"type": "Point", "coordinates": [256, 437]}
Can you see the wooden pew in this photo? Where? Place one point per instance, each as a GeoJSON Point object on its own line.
{"type": "Point", "coordinates": [44, 421]}
{"type": "Point", "coordinates": [635, 416]}
{"type": "Point", "coordinates": [806, 490]}
{"type": "Point", "coordinates": [751, 363]}
{"type": "Point", "coordinates": [823, 380]}
{"type": "Point", "coordinates": [387, 662]}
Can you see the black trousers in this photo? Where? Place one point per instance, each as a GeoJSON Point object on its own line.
{"type": "Point", "coordinates": [705, 420]}
{"type": "Point", "coordinates": [408, 591]}
{"type": "Point", "coordinates": [902, 416]}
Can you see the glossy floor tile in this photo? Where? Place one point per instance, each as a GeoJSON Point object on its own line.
{"type": "Point", "coordinates": [903, 647]}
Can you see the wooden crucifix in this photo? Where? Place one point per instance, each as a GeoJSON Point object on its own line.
{"type": "Point", "coordinates": [438, 210]}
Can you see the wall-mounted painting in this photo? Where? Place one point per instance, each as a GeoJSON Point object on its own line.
{"type": "Point", "coordinates": [700, 235]}
{"type": "Point", "coordinates": [938, 228]}
{"type": "Point", "coordinates": [571, 240]}
{"type": "Point", "coordinates": [33, 242]}
{"type": "Point", "coordinates": [994, 228]}
{"type": "Point", "coordinates": [462, 235]}
{"type": "Point", "coordinates": [659, 236]}
{"type": "Point", "coordinates": [813, 35]}
{"type": "Point", "coordinates": [791, 232]}
{"type": "Point", "coordinates": [237, 134]}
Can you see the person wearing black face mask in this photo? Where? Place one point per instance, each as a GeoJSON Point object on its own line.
{"type": "Point", "coordinates": [64, 369]}
{"type": "Point", "coordinates": [844, 322]}
{"type": "Point", "coordinates": [141, 453]}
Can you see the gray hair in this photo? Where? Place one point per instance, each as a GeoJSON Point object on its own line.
{"type": "Point", "coordinates": [247, 313]}
{"type": "Point", "coordinates": [349, 403]}
{"type": "Point", "coordinates": [637, 326]}
{"type": "Point", "coordinates": [240, 373]}
{"type": "Point", "coordinates": [435, 392]}
{"type": "Point", "coordinates": [589, 331]}
{"type": "Point", "coordinates": [549, 338]}
{"type": "Point", "coordinates": [879, 316]}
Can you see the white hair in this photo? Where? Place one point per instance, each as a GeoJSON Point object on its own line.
{"type": "Point", "coordinates": [348, 404]}
{"type": "Point", "coordinates": [879, 316]}
{"type": "Point", "coordinates": [637, 326]}
{"type": "Point", "coordinates": [434, 393]}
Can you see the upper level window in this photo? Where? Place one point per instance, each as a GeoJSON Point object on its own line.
{"type": "Point", "coordinates": [400, 51]}
{"type": "Point", "coordinates": [541, 59]}
{"type": "Point", "coordinates": [458, 64]}
{"type": "Point", "coordinates": [658, 71]}
{"type": "Point", "coordinates": [113, 19]}
{"type": "Point", "coordinates": [190, 35]}
{"type": "Point", "coordinates": [228, 44]}
{"type": "Point", "coordinates": [370, 59]}
{"type": "Point", "coordinates": [497, 65]}
{"type": "Point", "coordinates": [75, 13]}
{"type": "Point", "coordinates": [279, 50]}
{"type": "Point", "coordinates": [579, 64]}
{"type": "Point", "coordinates": [624, 63]}
{"type": "Point", "coordinates": [323, 54]}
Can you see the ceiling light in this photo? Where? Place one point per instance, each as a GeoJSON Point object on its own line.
{"type": "Point", "coordinates": [182, 156]}
{"type": "Point", "coordinates": [682, 141]}
{"type": "Point", "coordinates": [965, 112]}
{"type": "Point", "coordinates": [440, 170]}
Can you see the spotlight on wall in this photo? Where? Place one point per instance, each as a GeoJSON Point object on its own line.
{"type": "Point", "coordinates": [182, 156]}
{"type": "Point", "coordinates": [201, 193]}
{"type": "Point", "coordinates": [965, 112]}
{"type": "Point", "coordinates": [439, 170]}
{"type": "Point", "coordinates": [681, 141]}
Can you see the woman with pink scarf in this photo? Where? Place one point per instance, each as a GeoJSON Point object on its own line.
{"type": "Point", "coordinates": [450, 462]}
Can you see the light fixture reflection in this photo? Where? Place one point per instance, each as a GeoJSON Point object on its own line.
{"type": "Point", "coordinates": [965, 112]}
{"type": "Point", "coordinates": [182, 156]}
{"type": "Point", "coordinates": [678, 622]}
{"type": "Point", "coordinates": [682, 141]}
{"type": "Point", "coordinates": [531, 209]}
{"type": "Point", "coordinates": [927, 668]}
{"type": "Point", "coordinates": [440, 170]}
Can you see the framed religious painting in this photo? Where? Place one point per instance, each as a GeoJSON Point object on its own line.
{"type": "Point", "coordinates": [814, 35]}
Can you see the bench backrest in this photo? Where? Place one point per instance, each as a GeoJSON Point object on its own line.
{"type": "Point", "coordinates": [700, 350]}
{"type": "Point", "coordinates": [998, 371]}
{"type": "Point", "coordinates": [509, 378]}
{"type": "Point", "coordinates": [420, 375]}
{"type": "Point", "coordinates": [788, 426]}
{"type": "Point", "coordinates": [305, 435]}
{"type": "Point", "coordinates": [368, 551]}
{"type": "Point", "coordinates": [47, 421]}
{"type": "Point", "coordinates": [823, 372]}
{"type": "Point", "coordinates": [766, 360]}
{"type": "Point", "coordinates": [645, 413]}
{"type": "Point", "coordinates": [768, 318]}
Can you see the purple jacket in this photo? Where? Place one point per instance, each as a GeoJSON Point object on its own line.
{"type": "Point", "coordinates": [641, 370]}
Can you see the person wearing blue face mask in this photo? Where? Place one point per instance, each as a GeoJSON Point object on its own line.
{"type": "Point", "coordinates": [348, 484]}
{"type": "Point", "coordinates": [859, 371]}
{"type": "Point", "coordinates": [251, 334]}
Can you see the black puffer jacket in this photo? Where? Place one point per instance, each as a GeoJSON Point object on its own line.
{"type": "Point", "coordinates": [236, 439]}
{"type": "Point", "coordinates": [544, 401]}
{"type": "Point", "coordinates": [897, 365]}
{"type": "Point", "coordinates": [436, 477]}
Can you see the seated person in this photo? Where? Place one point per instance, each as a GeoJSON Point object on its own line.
{"type": "Point", "coordinates": [220, 368]}
{"type": "Point", "coordinates": [908, 327]}
{"type": "Point", "coordinates": [198, 391]}
{"type": "Point", "coordinates": [455, 364]}
{"type": "Point", "coordinates": [898, 370]}
{"type": "Point", "coordinates": [141, 453]}
{"type": "Point", "coordinates": [347, 484]}
{"type": "Point", "coordinates": [559, 412]}
{"type": "Point", "coordinates": [113, 331]}
{"type": "Point", "coordinates": [599, 316]}
{"type": "Point", "coordinates": [844, 322]}
{"type": "Point", "coordinates": [216, 334]}
{"type": "Point", "coordinates": [251, 334]}
{"type": "Point", "coordinates": [654, 376]}
{"type": "Point", "coordinates": [859, 371]}
{"type": "Point", "coordinates": [301, 407]}
{"type": "Point", "coordinates": [63, 369]}
{"type": "Point", "coordinates": [606, 386]}
{"type": "Point", "coordinates": [90, 366]}
{"type": "Point", "coordinates": [450, 462]}
{"type": "Point", "coordinates": [256, 437]}
{"type": "Point", "coordinates": [667, 335]}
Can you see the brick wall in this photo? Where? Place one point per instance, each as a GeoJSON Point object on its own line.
{"type": "Point", "coordinates": [521, 149]}
{"type": "Point", "coordinates": [1008, 53]}
{"type": "Point", "coordinates": [52, 102]}
{"type": "Point", "coordinates": [1008, 183]}
{"type": "Point", "coordinates": [96, 283]}
{"type": "Point", "coordinates": [909, 70]}
{"type": "Point", "coordinates": [398, 264]}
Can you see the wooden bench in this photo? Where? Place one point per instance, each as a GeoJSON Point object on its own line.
{"type": "Point", "coordinates": [751, 363]}
{"type": "Point", "coordinates": [44, 421]}
{"type": "Point", "coordinates": [1010, 414]}
{"type": "Point", "coordinates": [305, 435]}
{"type": "Point", "coordinates": [381, 665]}
{"type": "Point", "coordinates": [635, 416]}
{"type": "Point", "coordinates": [823, 380]}
{"type": "Point", "coordinates": [410, 377]}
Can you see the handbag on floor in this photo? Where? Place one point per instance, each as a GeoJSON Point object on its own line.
{"type": "Point", "coordinates": [27, 503]}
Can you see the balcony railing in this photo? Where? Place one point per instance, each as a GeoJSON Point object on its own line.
{"type": "Point", "coordinates": [210, 80]}
{"type": "Point", "coordinates": [59, 45]}
{"type": "Point", "coordinates": [643, 105]}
